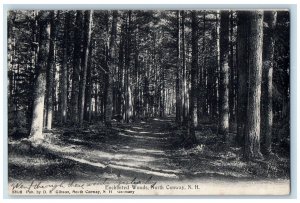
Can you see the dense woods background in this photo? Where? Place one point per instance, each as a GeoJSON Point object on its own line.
{"type": "Point", "coordinates": [218, 73]}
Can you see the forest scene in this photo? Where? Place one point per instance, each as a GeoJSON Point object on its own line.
{"type": "Point", "coordinates": [168, 95]}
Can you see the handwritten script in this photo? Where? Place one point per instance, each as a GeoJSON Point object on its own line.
{"type": "Point", "coordinates": [103, 186]}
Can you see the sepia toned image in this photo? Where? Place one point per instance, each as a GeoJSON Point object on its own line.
{"type": "Point", "coordinates": [148, 102]}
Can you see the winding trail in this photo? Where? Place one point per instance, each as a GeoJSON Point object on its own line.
{"type": "Point", "coordinates": [141, 150]}
{"type": "Point", "coordinates": [145, 148]}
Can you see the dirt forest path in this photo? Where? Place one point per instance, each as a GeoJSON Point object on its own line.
{"type": "Point", "coordinates": [145, 148]}
{"type": "Point", "coordinates": [140, 151]}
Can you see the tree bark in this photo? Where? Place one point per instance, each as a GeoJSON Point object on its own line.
{"type": "Point", "coordinates": [162, 95]}
{"type": "Point", "coordinates": [64, 71]}
{"type": "Point", "coordinates": [128, 103]}
{"type": "Point", "coordinates": [252, 138]}
{"type": "Point", "coordinates": [224, 75]}
{"type": "Point", "coordinates": [215, 102]}
{"type": "Point", "coordinates": [242, 72]}
{"type": "Point", "coordinates": [87, 39]}
{"type": "Point", "coordinates": [112, 66]}
{"type": "Point", "coordinates": [232, 95]}
{"type": "Point", "coordinates": [194, 68]}
{"type": "Point", "coordinates": [178, 104]}
{"type": "Point", "coordinates": [89, 87]}
{"type": "Point", "coordinates": [185, 107]}
{"type": "Point", "coordinates": [76, 66]}
{"type": "Point", "coordinates": [36, 134]}
{"type": "Point", "coordinates": [121, 73]}
{"type": "Point", "coordinates": [200, 99]}
{"type": "Point", "coordinates": [50, 71]}
{"type": "Point", "coordinates": [184, 95]}
{"type": "Point", "coordinates": [267, 81]}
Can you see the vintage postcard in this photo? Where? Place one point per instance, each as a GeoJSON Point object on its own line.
{"type": "Point", "coordinates": [148, 102]}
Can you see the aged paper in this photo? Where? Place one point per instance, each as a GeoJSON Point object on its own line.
{"type": "Point", "coordinates": [148, 102]}
{"type": "Point", "coordinates": [135, 187]}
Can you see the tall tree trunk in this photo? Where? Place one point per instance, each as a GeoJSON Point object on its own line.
{"type": "Point", "coordinates": [267, 83]}
{"type": "Point", "coordinates": [162, 93]}
{"type": "Point", "coordinates": [128, 103]}
{"type": "Point", "coordinates": [252, 135]}
{"type": "Point", "coordinates": [76, 66]}
{"type": "Point", "coordinates": [121, 73]}
{"type": "Point", "coordinates": [50, 71]}
{"type": "Point", "coordinates": [200, 98]}
{"type": "Point", "coordinates": [137, 74]}
{"type": "Point", "coordinates": [242, 72]}
{"type": "Point", "coordinates": [178, 104]}
{"type": "Point", "coordinates": [215, 102]}
{"type": "Point", "coordinates": [194, 68]}
{"type": "Point", "coordinates": [96, 101]}
{"type": "Point", "coordinates": [36, 134]}
{"type": "Point", "coordinates": [89, 88]}
{"type": "Point", "coordinates": [64, 71]}
{"type": "Point", "coordinates": [88, 16]}
{"type": "Point", "coordinates": [112, 66]}
{"type": "Point", "coordinates": [184, 94]}
{"type": "Point", "coordinates": [146, 89]}
{"type": "Point", "coordinates": [232, 95]}
{"type": "Point", "coordinates": [194, 72]}
{"type": "Point", "coordinates": [224, 75]}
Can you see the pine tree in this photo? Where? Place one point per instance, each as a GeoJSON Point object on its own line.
{"type": "Point", "coordinates": [76, 67]}
{"type": "Point", "coordinates": [64, 70]}
{"type": "Point", "coordinates": [224, 75]}
{"type": "Point", "coordinates": [50, 71]}
{"type": "Point", "coordinates": [267, 81]}
{"type": "Point", "coordinates": [242, 72]}
{"type": "Point", "coordinates": [112, 66]}
{"type": "Point", "coordinates": [36, 134]}
{"type": "Point", "coordinates": [252, 135]}
{"type": "Point", "coordinates": [88, 16]}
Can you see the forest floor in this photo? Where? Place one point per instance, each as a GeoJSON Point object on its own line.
{"type": "Point", "coordinates": [140, 150]}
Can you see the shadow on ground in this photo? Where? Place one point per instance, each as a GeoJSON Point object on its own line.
{"type": "Point", "coordinates": [139, 150]}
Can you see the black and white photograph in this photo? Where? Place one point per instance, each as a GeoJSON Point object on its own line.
{"type": "Point", "coordinates": [148, 102]}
